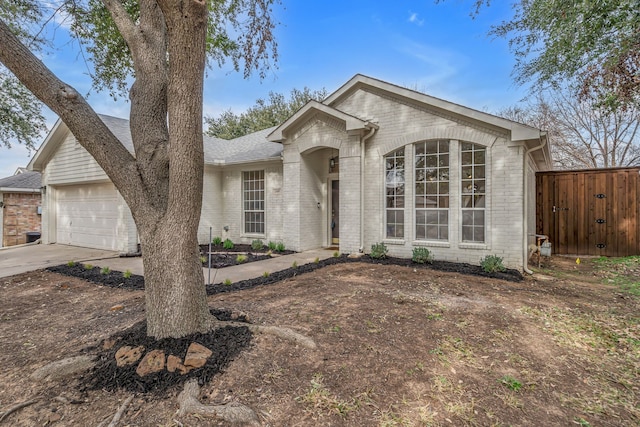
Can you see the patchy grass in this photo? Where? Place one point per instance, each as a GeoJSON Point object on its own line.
{"type": "Point", "coordinates": [622, 272]}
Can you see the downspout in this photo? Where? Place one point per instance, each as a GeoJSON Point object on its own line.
{"type": "Point", "coordinates": [525, 216]}
{"type": "Point", "coordinates": [362, 152]}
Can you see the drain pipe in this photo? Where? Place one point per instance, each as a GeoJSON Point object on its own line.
{"type": "Point", "coordinates": [525, 216]}
{"type": "Point", "coordinates": [372, 130]}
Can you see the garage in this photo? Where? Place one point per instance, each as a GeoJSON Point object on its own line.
{"type": "Point", "coordinates": [88, 216]}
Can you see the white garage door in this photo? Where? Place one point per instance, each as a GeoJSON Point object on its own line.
{"type": "Point", "coordinates": [87, 216]}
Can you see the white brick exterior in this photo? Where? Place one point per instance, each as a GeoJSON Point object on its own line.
{"type": "Point", "coordinates": [363, 114]}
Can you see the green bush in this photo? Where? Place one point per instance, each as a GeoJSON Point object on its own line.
{"type": "Point", "coordinates": [227, 282]}
{"type": "Point", "coordinates": [105, 270]}
{"type": "Point", "coordinates": [492, 264]}
{"type": "Point", "coordinates": [217, 241]}
{"type": "Point", "coordinates": [228, 244]}
{"type": "Point", "coordinates": [336, 254]}
{"type": "Point", "coordinates": [280, 247]}
{"type": "Point", "coordinates": [241, 258]}
{"type": "Point", "coordinates": [379, 251]}
{"type": "Point", "coordinates": [88, 266]}
{"type": "Point", "coordinates": [257, 245]}
{"type": "Point", "coordinates": [203, 259]}
{"type": "Point", "coordinates": [422, 255]}
{"type": "Point", "coordinates": [71, 264]}
{"type": "Point", "coordinates": [272, 246]}
{"type": "Point", "coordinates": [126, 274]}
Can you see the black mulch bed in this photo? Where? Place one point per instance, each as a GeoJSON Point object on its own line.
{"type": "Point", "coordinates": [222, 260]}
{"type": "Point", "coordinates": [225, 343]}
{"type": "Point", "coordinates": [113, 279]}
{"type": "Point", "coordinates": [242, 248]}
{"type": "Point", "coordinates": [117, 280]}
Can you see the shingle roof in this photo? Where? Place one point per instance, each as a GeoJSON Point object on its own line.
{"type": "Point", "coordinates": [249, 148]}
{"type": "Point", "coordinates": [28, 180]}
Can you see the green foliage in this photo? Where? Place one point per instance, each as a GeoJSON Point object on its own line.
{"type": "Point", "coordinates": [105, 270]}
{"type": "Point", "coordinates": [280, 247]}
{"type": "Point", "coordinates": [217, 241]}
{"type": "Point", "coordinates": [316, 261]}
{"type": "Point", "coordinates": [510, 382]}
{"type": "Point", "coordinates": [422, 255]}
{"type": "Point", "coordinates": [336, 254]}
{"type": "Point", "coordinates": [21, 119]}
{"type": "Point", "coordinates": [595, 42]}
{"type": "Point", "coordinates": [264, 114]}
{"type": "Point", "coordinates": [228, 244]}
{"type": "Point", "coordinates": [88, 266]}
{"type": "Point", "coordinates": [379, 251]}
{"type": "Point", "coordinates": [271, 245]}
{"type": "Point", "coordinates": [71, 264]}
{"type": "Point", "coordinates": [227, 282]}
{"type": "Point", "coordinates": [240, 31]}
{"type": "Point", "coordinates": [621, 272]}
{"type": "Point", "coordinates": [203, 259]}
{"type": "Point", "coordinates": [266, 274]}
{"type": "Point", "coordinates": [257, 245]}
{"type": "Point", "coordinates": [241, 258]}
{"type": "Point", "coordinates": [492, 264]}
{"type": "Point", "coordinates": [127, 274]}
{"type": "Point", "coordinates": [295, 264]}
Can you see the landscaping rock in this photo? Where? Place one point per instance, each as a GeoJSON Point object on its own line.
{"type": "Point", "coordinates": [174, 363]}
{"type": "Point", "coordinates": [197, 355]}
{"type": "Point", "coordinates": [150, 363]}
{"type": "Point", "coordinates": [127, 355]}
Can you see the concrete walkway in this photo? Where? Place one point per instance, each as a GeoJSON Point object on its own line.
{"type": "Point", "coordinates": [21, 259]}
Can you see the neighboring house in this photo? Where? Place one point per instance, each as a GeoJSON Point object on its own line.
{"type": "Point", "coordinates": [19, 207]}
{"type": "Point", "coordinates": [373, 163]}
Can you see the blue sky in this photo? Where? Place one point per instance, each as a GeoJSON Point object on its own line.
{"type": "Point", "coordinates": [435, 48]}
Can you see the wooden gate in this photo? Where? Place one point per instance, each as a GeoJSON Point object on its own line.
{"type": "Point", "coordinates": [590, 212]}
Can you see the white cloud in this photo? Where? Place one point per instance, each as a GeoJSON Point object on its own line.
{"type": "Point", "coordinates": [414, 19]}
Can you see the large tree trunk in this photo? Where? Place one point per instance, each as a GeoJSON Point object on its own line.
{"type": "Point", "coordinates": [163, 183]}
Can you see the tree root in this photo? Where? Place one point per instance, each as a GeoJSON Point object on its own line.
{"type": "Point", "coordinates": [118, 415]}
{"type": "Point", "coordinates": [17, 407]}
{"type": "Point", "coordinates": [234, 413]}
{"type": "Point", "coordinates": [285, 333]}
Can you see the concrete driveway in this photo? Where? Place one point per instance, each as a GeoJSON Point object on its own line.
{"type": "Point", "coordinates": [24, 258]}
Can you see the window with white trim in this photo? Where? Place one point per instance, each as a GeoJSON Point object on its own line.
{"type": "Point", "coordinates": [394, 194]}
{"type": "Point", "coordinates": [253, 201]}
{"type": "Point", "coordinates": [474, 195]}
{"type": "Point", "coordinates": [432, 190]}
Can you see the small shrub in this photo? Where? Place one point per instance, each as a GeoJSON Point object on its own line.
{"type": "Point", "coordinates": [269, 252]}
{"type": "Point", "coordinates": [257, 245]}
{"type": "Point", "coordinates": [241, 258]}
{"type": "Point", "coordinates": [217, 241]}
{"type": "Point", "coordinates": [271, 246]}
{"type": "Point", "coordinates": [280, 247]}
{"type": "Point", "coordinates": [127, 274]}
{"type": "Point", "coordinates": [265, 274]}
{"type": "Point", "coordinates": [88, 266]}
{"type": "Point", "coordinates": [228, 244]}
{"type": "Point", "coordinates": [295, 264]}
{"type": "Point", "coordinates": [379, 251]}
{"type": "Point", "coordinates": [227, 282]}
{"type": "Point", "coordinates": [105, 270]}
{"type": "Point", "coordinates": [71, 264]}
{"type": "Point", "coordinates": [511, 383]}
{"type": "Point", "coordinates": [203, 259]}
{"type": "Point", "coordinates": [492, 264]}
{"type": "Point", "coordinates": [422, 256]}
{"type": "Point", "coordinates": [316, 261]}
{"type": "Point", "coordinates": [336, 254]}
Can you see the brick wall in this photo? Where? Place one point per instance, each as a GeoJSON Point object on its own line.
{"type": "Point", "coordinates": [19, 217]}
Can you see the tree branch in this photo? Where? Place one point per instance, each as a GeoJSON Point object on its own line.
{"type": "Point", "coordinates": [123, 21]}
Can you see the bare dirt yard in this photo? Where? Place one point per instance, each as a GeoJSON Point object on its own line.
{"type": "Point", "coordinates": [396, 346]}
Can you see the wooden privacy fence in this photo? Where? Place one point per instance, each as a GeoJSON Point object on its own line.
{"type": "Point", "coordinates": [590, 212]}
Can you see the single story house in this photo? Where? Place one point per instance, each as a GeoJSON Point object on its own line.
{"type": "Point", "coordinates": [19, 207]}
{"type": "Point", "coordinates": [374, 162]}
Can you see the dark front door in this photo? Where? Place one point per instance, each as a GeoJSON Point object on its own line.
{"type": "Point", "coordinates": [335, 212]}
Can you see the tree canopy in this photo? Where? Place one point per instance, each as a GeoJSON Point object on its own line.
{"type": "Point", "coordinates": [262, 115]}
{"type": "Point", "coordinates": [593, 43]}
